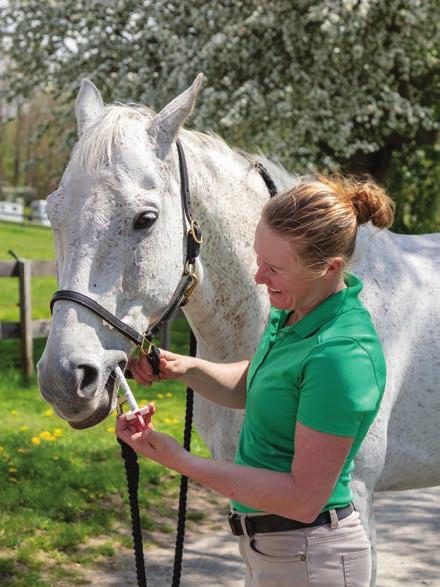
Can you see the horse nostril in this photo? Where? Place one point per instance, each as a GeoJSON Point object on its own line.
{"type": "Point", "coordinates": [88, 376]}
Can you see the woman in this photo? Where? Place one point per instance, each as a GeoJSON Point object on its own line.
{"type": "Point", "coordinates": [310, 394]}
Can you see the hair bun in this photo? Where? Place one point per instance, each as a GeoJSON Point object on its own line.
{"type": "Point", "coordinates": [370, 202]}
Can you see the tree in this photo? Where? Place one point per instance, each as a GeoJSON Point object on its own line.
{"type": "Point", "coordinates": [328, 84]}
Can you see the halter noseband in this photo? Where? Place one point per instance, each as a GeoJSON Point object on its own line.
{"type": "Point", "coordinates": [183, 291]}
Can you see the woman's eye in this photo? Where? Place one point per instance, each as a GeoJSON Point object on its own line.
{"type": "Point", "coordinates": [145, 220]}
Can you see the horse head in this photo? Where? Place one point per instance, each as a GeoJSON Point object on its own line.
{"type": "Point", "coordinates": [120, 238]}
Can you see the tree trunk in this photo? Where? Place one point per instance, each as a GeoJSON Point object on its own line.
{"type": "Point", "coordinates": [2, 171]}
{"type": "Point", "coordinates": [17, 150]}
{"type": "Point", "coordinates": [376, 164]}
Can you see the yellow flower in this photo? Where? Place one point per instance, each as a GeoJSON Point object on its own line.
{"type": "Point", "coordinates": [36, 440]}
{"type": "Point", "coordinates": [110, 429]}
{"type": "Point", "coordinates": [168, 394]}
{"type": "Point", "coordinates": [167, 420]}
{"type": "Point", "coordinates": [58, 432]}
{"type": "Point", "coordinates": [14, 413]}
{"type": "Point", "coordinates": [48, 412]}
{"type": "Point", "coordinates": [160, 395]}
{"type": "Point", "coordinates": [174, 421]}
{"type": "Point", "coordinates": [45, 434]}
{"type": "Point", "coordinates": [24, 428]}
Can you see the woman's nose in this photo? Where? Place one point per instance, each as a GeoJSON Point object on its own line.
{"type": "Point", "coordinates": [259, 276]}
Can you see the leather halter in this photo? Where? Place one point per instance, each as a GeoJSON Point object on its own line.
{"type": "Point", "coordinates": [184, 288]}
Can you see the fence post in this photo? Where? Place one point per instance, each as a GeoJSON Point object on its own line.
{"type": "Point", "coordinates": [24, 280]}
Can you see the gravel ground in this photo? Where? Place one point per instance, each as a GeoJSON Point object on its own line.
{"type": "Point", "coordinates": [408, 529]}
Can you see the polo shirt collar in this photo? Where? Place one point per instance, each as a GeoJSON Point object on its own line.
{"type": "Point", "coordinates": [335, 304]}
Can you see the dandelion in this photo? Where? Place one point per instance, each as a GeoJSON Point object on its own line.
{"type": "Point", "coordinates": [169, 394]}
{"type": "Point", "coordinates": [36, 440]}
{"type": "Point", "coordinates": [48, 436]}
{"type": "Point", "coordinates": [58, 432]}
{"type": "Point", "coordinates": [167, 420]}
{"type": "Point", "coordinates": [174, 421]}
{"type": "Point", "coordinates": [14, 413]}
{"type": "Point", "coordinates": [160, 395]}
{"type": "Point", "coordinates": [48, 412]}
{"type": "Point", "coordinates": [110, 429]}
{"type": "Point", "coordinates": [24, 428]}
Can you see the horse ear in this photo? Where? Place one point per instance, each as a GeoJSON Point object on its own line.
{"type": "Point", "coordinates": [88, 104]}
{"type": "Point", "coordinates": [165, 125]}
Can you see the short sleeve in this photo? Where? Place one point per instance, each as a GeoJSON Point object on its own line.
{"type": "Point", "coordinates": [338, 387]}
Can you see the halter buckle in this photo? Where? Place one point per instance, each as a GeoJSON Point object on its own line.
{"type": "Point", "coordinates": [191, 287]}
{"type": "Point", "coordinates": [146, 340]}
{"type": "Point", "coordinates": [195, 232]}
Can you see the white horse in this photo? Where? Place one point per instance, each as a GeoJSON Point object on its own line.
{"type": "Point", "coordinates": [123, 175]}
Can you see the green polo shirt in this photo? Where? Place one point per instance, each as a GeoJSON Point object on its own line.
{"type": "Point", "coordinates": [327, 371]}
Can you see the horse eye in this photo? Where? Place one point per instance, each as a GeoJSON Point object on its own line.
{"type": "Point", "coordinates": [145, 220]}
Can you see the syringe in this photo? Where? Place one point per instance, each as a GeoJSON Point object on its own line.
{"type": "Point", "coordinates": [135, 412]}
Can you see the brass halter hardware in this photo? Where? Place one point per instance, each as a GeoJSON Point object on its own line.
{"type": "Point", "coordinates": [146, 341]}
{"type": "Point", "coordinates": [195, 232]}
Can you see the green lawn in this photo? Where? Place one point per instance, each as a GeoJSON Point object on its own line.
{"type": "Point", "coordinates": [61, 487]}
{"type": "Point", "coordinates": [30, 242]}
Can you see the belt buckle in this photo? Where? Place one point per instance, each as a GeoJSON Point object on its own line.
{"type": "Point", "coordinates": [234, 523]}
{"type": "Point", "coordinates": [248, 526]}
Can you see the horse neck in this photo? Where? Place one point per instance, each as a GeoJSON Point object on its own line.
{"type": "Point", "coordinates": [227, 311]}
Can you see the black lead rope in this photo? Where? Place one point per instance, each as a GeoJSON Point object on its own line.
{"type": "Point", "coordinates": [180, 534]}
{"type": "Point", "coordinates": [132, 472]}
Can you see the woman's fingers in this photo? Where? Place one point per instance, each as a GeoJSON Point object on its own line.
{"type": "Point", "coordinates": [171, 366]}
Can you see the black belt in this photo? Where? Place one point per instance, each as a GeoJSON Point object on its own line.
{"type": "Point", "coordinates": [273, 523]}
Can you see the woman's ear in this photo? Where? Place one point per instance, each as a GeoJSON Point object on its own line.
{"type": "Point", "coordinates": [334, 267]}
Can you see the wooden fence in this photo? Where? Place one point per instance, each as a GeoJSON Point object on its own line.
{"type": "Point", "coordinates": [27, 329]}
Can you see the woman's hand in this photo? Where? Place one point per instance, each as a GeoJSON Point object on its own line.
{"type": "Point", "coordinates": [151, 444]}
{"type": "Point", "coordinates": [172, 366]}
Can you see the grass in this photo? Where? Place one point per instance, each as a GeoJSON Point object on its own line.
{"type": "Point", "coordinates": [30, 242]}
{"type": "Point", "coordinates": [62, 489]}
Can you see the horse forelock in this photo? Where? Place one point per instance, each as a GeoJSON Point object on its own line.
{"type": "Point", "coordinates": [95, 147]}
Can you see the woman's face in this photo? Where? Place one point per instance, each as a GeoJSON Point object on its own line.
{"type": "Point", "coordinates": [291, 286]}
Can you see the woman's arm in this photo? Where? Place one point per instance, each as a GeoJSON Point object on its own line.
{"type": "Point", "coordinates": [222, 383]}
{"type": "Point", "coordinates": [299, 495]}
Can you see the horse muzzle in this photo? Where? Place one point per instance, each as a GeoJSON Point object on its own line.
{"type": "Point", "coordinates": [81, 391]}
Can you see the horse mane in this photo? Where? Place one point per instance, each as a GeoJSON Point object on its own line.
{"type": "Point", "coordinates": [95, 146]}
{"type": "Point", "coordinates": [94, 149]}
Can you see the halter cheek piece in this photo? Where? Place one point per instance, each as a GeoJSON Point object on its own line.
{"type": "Point", "coordinates": [183, 291]}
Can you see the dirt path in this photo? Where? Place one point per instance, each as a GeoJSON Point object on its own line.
{"type": "Point", "coordinates": [408, 536]}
